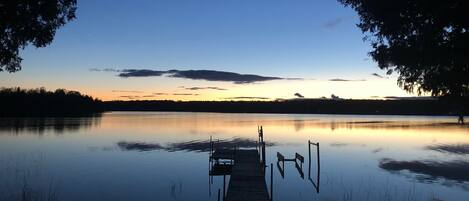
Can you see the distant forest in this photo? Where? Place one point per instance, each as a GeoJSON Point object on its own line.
{"type": "Point", "coordinates": [17, 102]}
{"type": "Point", "coordinates": [300, 106]}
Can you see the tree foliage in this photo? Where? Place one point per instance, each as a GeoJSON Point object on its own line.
{"type": "Point", "coordinates": [40, 102]}
{"type": "Point", "coordinates": [24, 22]}
{"type": "Point", "coordinates": [425, 41]}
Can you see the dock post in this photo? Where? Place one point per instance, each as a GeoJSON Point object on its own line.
{"type": "Point", "coordinates": [211, 146]}
{"type": "Point", "coordinates": [263, 154]}
{"type": "Point", "coordinates": [271, 181]}
{"type": "Point", "coordinates": [218, 194]}
{"type": "Point", "coordinates": [262, 134]}
{"type": "Point", "coordinates": [309, 157]}
{"type": "Point", "coordinates": [224, 180]}
{"type": "Point", "coordinates": [319, 168]}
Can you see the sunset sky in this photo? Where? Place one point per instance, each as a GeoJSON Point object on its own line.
{"type": "Point", "coordinates": [207, 50]}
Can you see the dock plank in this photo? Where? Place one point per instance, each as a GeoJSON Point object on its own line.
{"type": "Point", "coordinates": [247, 182]}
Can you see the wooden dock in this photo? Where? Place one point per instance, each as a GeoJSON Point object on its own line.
{"type": "Point", "coordinates": [247, 170]}
{"type": "Point", "coordinates": [247, 182]}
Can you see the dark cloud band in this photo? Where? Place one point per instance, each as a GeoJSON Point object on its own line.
{"type": "Point", "coordinates": [202, 88]}
{"type": "Point", "coordinates": [140, 73]}
{"type": "Point", "coordinates": [208, 75]}
{"type": "Point", "coordinates": [184, 94]}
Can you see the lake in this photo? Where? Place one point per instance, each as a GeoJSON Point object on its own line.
{"type": "Point", "coordinates": [164, 156]}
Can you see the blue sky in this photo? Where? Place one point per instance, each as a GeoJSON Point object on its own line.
{"type": "Point", "coordinates": [314, 40]}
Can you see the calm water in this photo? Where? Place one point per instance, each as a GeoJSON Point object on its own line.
{"type": "Point", "coordinates": [163, 156]}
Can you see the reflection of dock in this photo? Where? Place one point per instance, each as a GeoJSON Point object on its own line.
{"type": "Point", "coordinates": [247, 178]}
{"type": "Point", "coordinates": [247, 170]}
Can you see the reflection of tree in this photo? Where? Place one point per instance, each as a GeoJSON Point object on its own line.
{"type": "Point", "coordinates": [299, 124]}
{"type": "Point", "coordinates": [45, 125]}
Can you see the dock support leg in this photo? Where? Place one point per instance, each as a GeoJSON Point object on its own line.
{"type": "Point", "coordinates": [271, 182]}
{"type": "Point", "coordinates": [319, 167]}
{"type": "Point", "coordinates": [224, 180]}
{"type": "Point", "coordinates": [218, 194]}
{"type": "Point", "coordinates": [263, 155]}
{"type": "Point", "coordinates": [309, 157]}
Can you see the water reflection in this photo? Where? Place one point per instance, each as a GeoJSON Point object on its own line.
{"type": "Point", "coordinates": [453, 172]}
{"type": "Point", "coordinates": [377, 150]}
{"type": "Point", "coordinates": [298, 160]}
{"type": "Point", "coordinates": [338, 144]}
{"type": "Point", "coordinates": [191, 146]}
{"type": "Point", "coordinates": [210, 123]}
{"type": "Point", "coordinates": [139, 146]}
{"type": "Point", "coordinates": [393, 125]}
{"type": "Point", "coordinates": [162, 156]}
{"type": "Point", "coordinates": [45, 125]}
{"type": "Point", "coordinates": [316, 182]}
{"type": "Point", "coordinates": [176, 190]}
{"type": "Point", "coordinates": [430, 170]}
{"type": "Point", "coordinates": [460, 149]}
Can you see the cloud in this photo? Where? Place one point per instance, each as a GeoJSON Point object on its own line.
{"type": "Point", "coordinates": [185, 94]}
{"type": "Point", "coordinates": [130, 97]}
{"type": "Point", "coordinates": [148, 96]}
{"type": "Point", "coordinates": [126, 91]}
{"type": "Point", "coordinates": [410, 98]}
{"type": "Point", "coordinates": [208, 75]}
{"type": "Point", "coordinates": [140, 73]}
{"type": "Point", "coordinates": [246, 97]}
{"type": "Point", "coordinates": [345, 80]}
{"type": "Point", "coordinates": [111, 70]}
{"type": "Point", "coordinates": [95, 69]}
{"type": "Point", "coordinates": [203, 88]}
{"type": "Point", "coordinates": [104, 70]}
{"type": "Point", "coordinates": [378, 75]}
{"type": "Point", "coordinates": [160, 93]}
{"type": "Point", "coordinates": [333, 23]}
{"type": "Point", "coordinates": [211, 75]}
{"type": "Point", "coordinates": [298, 95]}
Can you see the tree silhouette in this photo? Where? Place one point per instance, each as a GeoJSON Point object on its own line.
{"type": "Point", "coordinates": [425, 41]}
{"type": "Point", "coordinates": [17, 102]}
{"type": "Point", "coordinates": [24, 22]}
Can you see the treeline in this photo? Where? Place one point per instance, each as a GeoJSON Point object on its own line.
{"type": "Point", "coordinates": [17, 102]}
{"type": "Point", "coordinates": [310, 106]}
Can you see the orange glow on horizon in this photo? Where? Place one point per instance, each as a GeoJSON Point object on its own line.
{"type": "Point", "coordinates": [371, 89]}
